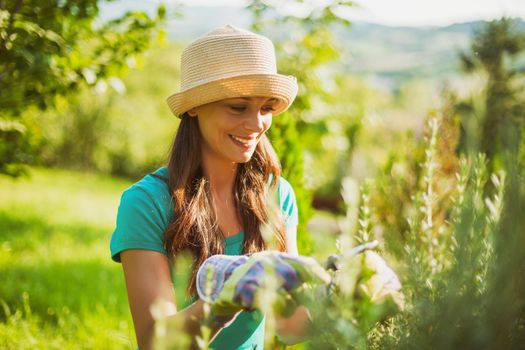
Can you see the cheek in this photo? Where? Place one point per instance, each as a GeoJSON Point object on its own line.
{"type": "Point", "coordinates": [208, 134]}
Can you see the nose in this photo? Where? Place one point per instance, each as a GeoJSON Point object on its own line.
{"type": "Point", "coordinates": [256, 122]}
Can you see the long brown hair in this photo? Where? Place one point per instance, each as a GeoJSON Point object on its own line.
{"type": "Point", "coordinates": [194, 227]}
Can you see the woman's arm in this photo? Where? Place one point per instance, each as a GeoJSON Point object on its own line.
{"type": "Point", "coordinates": [148, 282]}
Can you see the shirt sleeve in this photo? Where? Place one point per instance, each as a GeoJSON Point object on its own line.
{"type": "Point", "coordinates": [139, 224]}
{"type": "Point", "coordinates": [288, 203]}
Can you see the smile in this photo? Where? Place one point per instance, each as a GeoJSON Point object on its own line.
{"type": "Point", "coordinates": [244, 142]}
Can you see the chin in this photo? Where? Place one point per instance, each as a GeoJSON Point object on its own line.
{"type": "Point", "coordinates": [244, 159]}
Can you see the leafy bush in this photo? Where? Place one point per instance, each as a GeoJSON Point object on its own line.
{"type": "Point", "coordinates": [462, 277]}
{"type": "Point", "coordinates": [52, 48]}
{"type": "Point", "coordinates": [126, 133]}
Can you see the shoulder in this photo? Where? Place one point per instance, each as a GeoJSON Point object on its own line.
{"type": "Point", "coordinates": [284, 186]}
{"type": "Point", "coordinates": [143, 215]}
{"type": "Point", "coordinates": [285, 192]}
{"type": "Point", "coordinates": [154, 186]}
{"type": "Point", "coordinates": [149, 195]}
{"type": "Point", "coordinates": [287, 202]}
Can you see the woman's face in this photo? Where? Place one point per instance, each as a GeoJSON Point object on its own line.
{"type": "Point", "coordinates": [232, 128]}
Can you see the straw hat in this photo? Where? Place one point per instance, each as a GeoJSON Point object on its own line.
{"type": "Point", "coordinates": [230, 62]}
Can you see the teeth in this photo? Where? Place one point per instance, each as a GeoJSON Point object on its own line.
{"type": "Point", "coordinates": [243, 141]}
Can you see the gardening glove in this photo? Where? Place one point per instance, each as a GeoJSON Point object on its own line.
{"type": "Point", "coordinates": [376, 287]}
{"type": "Point", "coordinates": [379, 282]}
{"type": "Point", "coordinates": [240, 281]}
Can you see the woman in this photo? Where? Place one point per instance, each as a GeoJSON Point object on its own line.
{"type": "Point", "coordinates": [213, 197]}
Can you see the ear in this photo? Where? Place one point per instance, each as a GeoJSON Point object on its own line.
{"type": "Point", "coordinates": [192, 112]}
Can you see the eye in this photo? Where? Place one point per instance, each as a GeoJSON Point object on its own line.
{"type": "Point", "coordinates": [238, 108]}
{"type": "Point", "coordinates": [268, 109]}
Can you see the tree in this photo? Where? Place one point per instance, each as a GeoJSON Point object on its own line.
{"type": "Point", "coordinates": [50, 48]}
{"type": "Point", "coordinates": [492, 52]}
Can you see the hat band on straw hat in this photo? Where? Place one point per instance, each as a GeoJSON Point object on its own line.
{"type": "Point", "coordinates": [281, 87]}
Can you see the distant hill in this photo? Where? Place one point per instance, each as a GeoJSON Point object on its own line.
{"type": "Point", "coordinates": [405, 52]}
{"type": "Point", "coordinates": [393, 54]}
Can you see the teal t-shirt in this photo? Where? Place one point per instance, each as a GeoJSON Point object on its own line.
{"type": "Point", "coordinates": [144, 213]}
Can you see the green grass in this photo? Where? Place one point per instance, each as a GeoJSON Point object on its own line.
{"type": "Point", "coordinates": [60, 289]}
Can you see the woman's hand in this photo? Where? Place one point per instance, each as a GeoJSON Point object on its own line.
{"type": "Point", "coordinates": [229, 283]}
{"type": "Point", "coordinates": [150, 288]}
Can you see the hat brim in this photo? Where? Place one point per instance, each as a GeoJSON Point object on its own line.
{"type": "Point", "coordinates": [279, 86]}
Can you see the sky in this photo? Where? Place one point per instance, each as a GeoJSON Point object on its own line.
{"type": "Point", "coordinates": [412, 12]}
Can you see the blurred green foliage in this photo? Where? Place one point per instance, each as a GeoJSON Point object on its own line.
{"type": "Point", "coordinates": [494, 51]}
{"type": "Point", "coordinates": [460, 251]}
{"type": "Point", "coordinates": [52, 48]}
{"type": "Point", "coordinates": [307, 52]}
{"type": "Point", "coordinates": [125, 133]}
{"type": "Point", "coordinates": [403, 175]}
{"type": "Point", "coordinates": [462, 277]}
{"type": "Point", "coordinates": [470, 296]}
